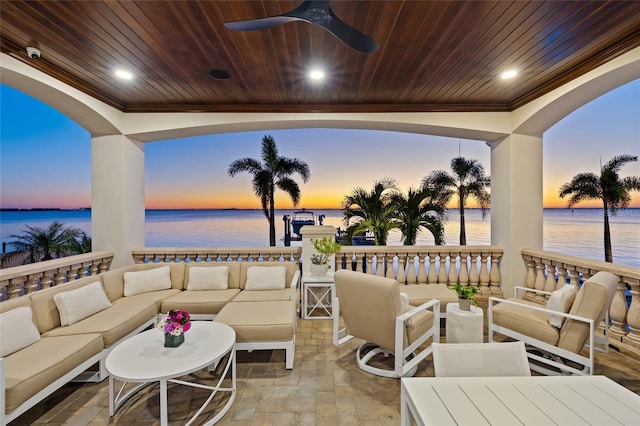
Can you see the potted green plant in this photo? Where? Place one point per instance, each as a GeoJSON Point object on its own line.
{"type": "Point", "coordinates": [326, 247]}
{"type": "Point", "coordinates": [466, 295]}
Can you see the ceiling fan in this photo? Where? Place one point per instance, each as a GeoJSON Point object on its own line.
{"type": "Point", "coordinates": [315, 12]}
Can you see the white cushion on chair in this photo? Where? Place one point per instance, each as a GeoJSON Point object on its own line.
{"type": "Point", "coordinates": [561, 301]}
{"type": "Point", "coordinates": [78, 304]}
{"type": "Point", "coordinates": [208, 278]}
{"type": "Point", "coordinates": [266, 278]}
{"type": "Point", "coordinates": [17, 330]}
{"type": "Point", "coordinates": [146, 281]}
{"type": "Point", "coordinates": [406, 306]}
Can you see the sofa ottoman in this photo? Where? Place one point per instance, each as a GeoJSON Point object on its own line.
{"type": "Point", "coordinates": [262, 325]}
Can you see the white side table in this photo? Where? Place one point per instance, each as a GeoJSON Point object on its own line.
{"type": "Point", "coordinates": [317, 294]}
{"type": "Point", "coordinates": [464, 326]}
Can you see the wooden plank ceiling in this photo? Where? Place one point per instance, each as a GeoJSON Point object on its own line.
{"type": "Point", "coordinates": [433, 55]}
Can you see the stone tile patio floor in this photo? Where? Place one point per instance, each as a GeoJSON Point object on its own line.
{"type": "Point", "coordinates": [324, 388]}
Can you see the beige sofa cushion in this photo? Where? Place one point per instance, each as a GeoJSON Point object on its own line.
{"type": "Point", "coordinates": [78, 304]}
{"type": "Point", "coordinates": [520, 318]}
{"type": "Point", "coordinates": [36, 366]}
{"type": "Point", "coordinates": [593, 299]}
{"type": "Point", "coordinates": [204, 302]}
{"type": "Point", "coordinates": [113, 281]}
{"type": "Point", "coordinates": [122, 318]}
{"type": "Point", "coordinates": [138, 282]}
{"type": "Point", "coordinates": [422, 293]}
{"type": "Point", "coordinates": [157, 297]}
{"type": "Point", "coordinates": [17, 330]}
{"type": "Point", "coordinates": [260, 321]}
{"type": "Point", "coordinates": [8, 305]}
{"type": "Point", "coordinates": [262, 295]}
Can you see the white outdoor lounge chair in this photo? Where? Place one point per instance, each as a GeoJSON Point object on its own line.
{"type": "Point", "coordinates": [552, 350]}
{"type": "Point", "coordinates": [372, 310]}
{"type": "Point", "coordinates": [480, 359]}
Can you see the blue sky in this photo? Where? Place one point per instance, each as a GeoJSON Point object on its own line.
{"type": "Point", "coordinates": [45, 157]}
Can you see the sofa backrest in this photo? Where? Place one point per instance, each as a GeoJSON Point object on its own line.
{"type": "Point", "coordinates": [592, 301]}
{"type": "Point", "coordinates": [233, 279]}
{"type": "Point", "coordinates": [291, 269]}
{"type": "Point", "coordinates": [113, 280]}
{"type": "Point", "coordinates": [45, 309]}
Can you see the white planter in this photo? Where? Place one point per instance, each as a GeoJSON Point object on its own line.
{"type": "Point", "coordinates": [319, 270]}
{"type": "Point", "coordinates": [464, 304]}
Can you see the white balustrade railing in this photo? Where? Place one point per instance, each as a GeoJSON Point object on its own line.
{"type": "Point", "coordinates": [469, 265]}
{"type": "Point", "coordinates": [548, 271]}
{"type": "Point", "coordinates": [216, 254]}
{"type": "Point", "coordinates": [477, 266]}
{"type": "Point", "coordinates": [19, 280]}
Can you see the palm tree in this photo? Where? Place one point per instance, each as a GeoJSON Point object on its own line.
{"type": "Point", "coordinates": [274, 172]}
{"type": "Point", "coordinates": [468, 180]}
{"type": "Point", "coordinates": [374, 211]}
{"type": "Point", "coordinates": [608, 187]}
{"type": "Point", "coordinates": [82, 244]}
{"type": "Point", "coordinates": [420, 209]}
{"type": "Point", "coordinates": [38, 244]}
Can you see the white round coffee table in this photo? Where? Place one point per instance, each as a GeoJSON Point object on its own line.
{"type": "Point", "coordinates": [144, 359]}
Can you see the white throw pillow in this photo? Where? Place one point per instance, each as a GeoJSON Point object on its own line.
{"type": "Point", "coordinates": [146, 281]}
{"type": "Point", "coordinates": [78, 304]}
{"type": "Point", "coordinates": [208, 278]}
{"type": "Point", "coordinates": [266, 278]}
{"type": "Point", "coordinates": [406, 307]}
{"type": "Point", "coordinates": [561, 301]}
{"type": "Point", "coordinates": [17, 330]}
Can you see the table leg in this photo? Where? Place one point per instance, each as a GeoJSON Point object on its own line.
{"type": "Point", "coordinates": [112, 396]}
{"type": "Point", "coordinates": [163, 403]}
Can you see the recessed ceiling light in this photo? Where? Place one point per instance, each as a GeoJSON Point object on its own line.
{"type": "Point", "coordinates": [316, 75]}
{"type": "Point", "coordinates": [124, 75]}
{"type": "Point", "coordinates": [219, 74]}
{"type": "Point", "coordinates": [508, 74]}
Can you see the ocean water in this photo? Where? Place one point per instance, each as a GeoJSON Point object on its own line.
{"type": "Point", "coordinates": [577, 232]}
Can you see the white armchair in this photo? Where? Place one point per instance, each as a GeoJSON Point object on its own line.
{"type": "Point", "coordinates": [552, 350]}
{"type": "Point", "coordinates": [372, 310]}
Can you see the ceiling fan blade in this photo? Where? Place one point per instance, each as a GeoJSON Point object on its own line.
{"type": "Point", "coordinates": [349, 35]}
{"type": "Point", "coordinates": [315, 12]}
{"type": "Point", "coordinates": [260, 23]}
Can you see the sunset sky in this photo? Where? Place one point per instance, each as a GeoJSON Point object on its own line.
{"type": "Point", "coordinates": [45, 157]}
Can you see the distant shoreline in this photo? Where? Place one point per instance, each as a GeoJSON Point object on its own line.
{"type": "Point", "coordinates": [44, 209]}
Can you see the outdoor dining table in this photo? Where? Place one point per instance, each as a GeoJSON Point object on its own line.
{"type": "Point", "coordinates": [535, 400]}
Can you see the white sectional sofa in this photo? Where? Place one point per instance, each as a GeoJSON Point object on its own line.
{"type": "Point", "coordinates": [53, 336]}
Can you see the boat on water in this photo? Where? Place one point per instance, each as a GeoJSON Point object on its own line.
{"type": "Point", "coordinates": [301, 218]}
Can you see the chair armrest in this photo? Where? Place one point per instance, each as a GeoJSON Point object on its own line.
{"type": "Point", "coordinates": [536, 308]}
{"type": "Point", "coordinates": [433, 304]}
{"type": "Point", "coordinates": [294, 286]}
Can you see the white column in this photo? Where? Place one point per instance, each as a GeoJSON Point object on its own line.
{"type": "Point", "coordinates": [117, 196]}
{"type": "Point", "coordinates": [516, 203]}
{"type": "Point", "coordinates": [314, 232]}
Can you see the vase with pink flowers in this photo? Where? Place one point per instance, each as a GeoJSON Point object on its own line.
{"type": "Point", "coordinates": [174, 325]}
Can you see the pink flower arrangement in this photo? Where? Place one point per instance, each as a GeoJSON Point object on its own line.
{"type": "Point", "coordinates": [176, 322]}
